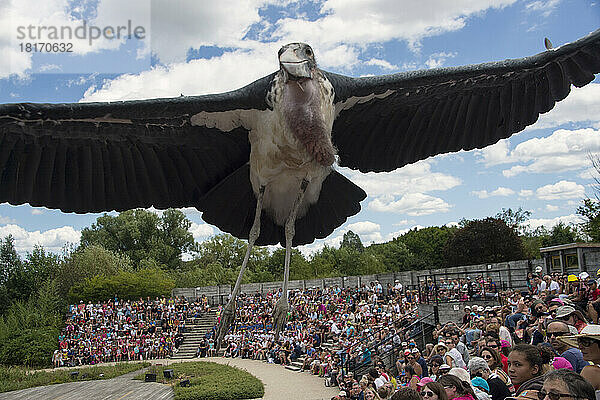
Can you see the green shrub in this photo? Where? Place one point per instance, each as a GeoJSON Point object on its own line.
{"type": "Point", "coordinates": [211, 381]}
{"type": "Point", "coordinates": [147, 282]}
{"type": "Point", "coordinates": [17, 378]}
{"type": "Point", "coordinates": [29, 331]}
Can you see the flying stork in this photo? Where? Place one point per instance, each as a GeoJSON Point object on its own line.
{"type": "Point", "coordinates": [259, 162]}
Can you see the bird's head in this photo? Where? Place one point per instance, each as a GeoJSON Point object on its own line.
{"type": "Point", "coordinates": [297, 60]}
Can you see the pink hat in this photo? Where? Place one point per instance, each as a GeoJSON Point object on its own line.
{"type": "Point", "coordinates": [562, 363]}
{"type": "Point", "coordinates": [424, 381]}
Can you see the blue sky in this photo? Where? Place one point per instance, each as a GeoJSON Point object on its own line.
{"type": "Point", "coordinates": [192, 47]}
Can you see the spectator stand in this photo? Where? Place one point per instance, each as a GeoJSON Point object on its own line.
{"type": "Point", "coordinates": [409, 328]}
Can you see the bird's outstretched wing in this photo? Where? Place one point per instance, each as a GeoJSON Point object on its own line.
{"type": "Point", "coordinates": [386, 122]}
{"type": "Point", "coordinates": [91, 157]}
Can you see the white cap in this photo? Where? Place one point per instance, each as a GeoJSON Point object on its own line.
{"type": "Point", "coordinates": [538, 269]}
{"type": "Point", "coordinates": [583, 276]}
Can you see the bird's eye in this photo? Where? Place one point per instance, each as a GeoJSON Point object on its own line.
{"type": "Point", "coordinates": [308, 52]}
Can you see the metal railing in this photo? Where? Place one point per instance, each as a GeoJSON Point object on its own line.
{"type": "Point", "coordinates": [386, 349]}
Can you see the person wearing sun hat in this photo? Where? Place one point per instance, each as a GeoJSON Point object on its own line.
{"type": "Point", "coordinates": [588, 341]}
{"type": "Point", "coordinates": [571, 316]}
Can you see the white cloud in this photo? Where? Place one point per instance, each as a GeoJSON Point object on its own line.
{"type": "Point", "coordinates": [545, 8]}
{"type": "Point", "coordinates": [551, 208]}
{"type": "Point", "coordinates": [525, 193]}
{"type": "Point", "coordinates": [550, 222]}
{"type": "Point", "coordinates": [201, 231]}
{"type": "Point", "coordinates": [218, 74]}
{"type": "Point", "coordinates": [6, 220]}
{"type": "Point", "coordinates": [381, 63]}
{"type": "Point", "coordinates": [563, 150]}
{"type": "Point", "coordinates": [436, 60]}
{"type": "Point", "coordinates": [49, 67]}
{"type": "Point", "coordinates": [560, 191]}
{"type": "Point", "coordinates": [363, 227]}
{"type": "Point", "coordinates": [414, 204]}
{"type": "Point", "coordinates": [57, 13]}
{"type": "Point", "coordinates": [417, 177]}
{"type": "Point", "coordinates": [52, 240]}
{"type": "Point", "coordinates": [582, 105]}
{"type": "Point", "coordinates": [360, 22]}
{"type": "Point", "coordinates": [501, 191]}
{"type": "Point", "coordinates": [37, 211]}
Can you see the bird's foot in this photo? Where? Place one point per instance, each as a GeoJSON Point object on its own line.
{"type": "Point", "coordinates": [227, 317]}
{"type": "Point", "coordinates": [280, 314]}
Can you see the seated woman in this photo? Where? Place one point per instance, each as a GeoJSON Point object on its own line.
{"type": "Point", "coordinates": [456, 389]}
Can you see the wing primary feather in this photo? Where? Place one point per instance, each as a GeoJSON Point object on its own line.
{"type": "Point", "coordinates": [85, 176]}
{"type": "Point", "coordinates": [59, 176]}
{"type": "Point", "coordinates": [98, 184]}
{"type": "Point", "coordinates": [45, 172]}
{"type": "Point", "coordinates": [72, 195]}
{"type": "Point", "coordinates": [580, 77]}
{"type": "Point", "coordinates": [422, 145]}
{"type": "Point", "coordinates": [544, 101]}
{"type": "Point", "coordinates": [472, 113]}
{"type": "Point", "coordinates": [558, 84]}
{"type": "Point", "coordinates": [458, 123]}
{"type": "Point", "coordinates": [29, 169]}
{"type": "Point", "coordinates": [119, 180]}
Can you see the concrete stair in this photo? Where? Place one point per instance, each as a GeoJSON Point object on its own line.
{"type": "Point", "coordinates": [194, 334]}
{"type": "Point", "coordinates": [297, 365]}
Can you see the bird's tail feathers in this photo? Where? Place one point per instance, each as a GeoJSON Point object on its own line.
{"type": "Point", "coordinates": [231, 206]}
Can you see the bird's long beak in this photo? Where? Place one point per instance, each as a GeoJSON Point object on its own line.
{"type": "Point", "coordinates": [295, 66]}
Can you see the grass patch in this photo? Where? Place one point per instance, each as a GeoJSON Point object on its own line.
{"type": "Point", "coordinates": [210, 381]}
{"type": "Point", "coordinates": [16, 378]}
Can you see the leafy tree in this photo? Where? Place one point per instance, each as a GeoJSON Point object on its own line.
{"type": "Point", "coordinates": [147, 282]}
{"type": "Point", "coordinates": [88, 262]}
{"type": "Point", "coordinates": [515, 219]}
{"type": "Point", "coordinates": [299, 266]}
{"type": "Point", "coordinates": [29, 329]}
{"type": "Point", "coordinates": [352, 241]}
{"type": "Point", "coordinates": [561, 233]}
{"type": "Point", "coordinates": [590, 210]}
{"type": "Point", "coordinates": [9, 259]}
{"type": "Point", "coordinates": [484, 241]}
{"type": "Point", "coordinates": [142, 235]}
{"type": "Point", "coordinates": [427, 246]}
{"type": "Point", "coordinates": [394, 256]}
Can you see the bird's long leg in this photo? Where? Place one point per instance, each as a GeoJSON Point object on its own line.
{"type": "Point", "coordinates": [228, 313]}
{"type": "Point", "coordinates": [282, 307]}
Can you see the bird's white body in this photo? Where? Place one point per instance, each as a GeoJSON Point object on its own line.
{"type": "Point", "coordinates": [278, 159]}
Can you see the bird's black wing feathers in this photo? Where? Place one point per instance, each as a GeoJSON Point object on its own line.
{"type": "Point", "coordinates": [91, 157]}
{"type": "Point", "coordinates": [386, 122]}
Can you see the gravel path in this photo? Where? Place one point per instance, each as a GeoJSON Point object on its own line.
{"type": "Point", "coordinates": [281, 383]}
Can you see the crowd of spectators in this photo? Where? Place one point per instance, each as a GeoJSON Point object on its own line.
{"type": "Point", "coordinates": [445, 289]}
{"type": "Point", "coordinates": [532, 344]}
{"type": "Point", "coordinates": [123, 330]}
{"type": "Point", "coordinates": [543, 342]}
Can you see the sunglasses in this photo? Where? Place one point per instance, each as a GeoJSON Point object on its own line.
{"type": "Point", "coordinates": [552, 395]}
{"type": "Point", "coordinates": [427, 394]}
